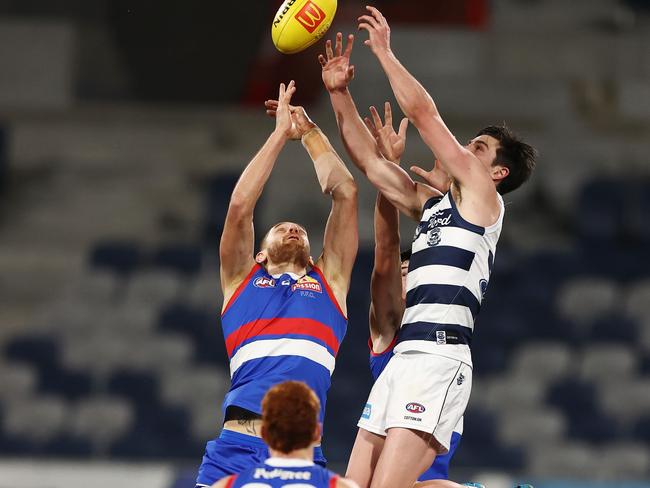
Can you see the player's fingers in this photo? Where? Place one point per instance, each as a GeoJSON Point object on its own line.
{"type": "Point", "coordinates": [322, 60]}
{"type": "Point", "coordinates": [388, 114]}
{"type": "Point", "coordinates": [271, 103]}
{"type": "Point", "coordinates": [419, 171]}
{"type": "Point", "coordinates": [369, 125]}
{"type": "Point", "coordinates": [376, 14]}
{"type": "Point", "coordinates": [403, 125]}
{"type": "Point", "coordinates": [271, 113]}
{"type": "Point", "coordinates": [348, 47]}
{"type": "Point", "coordinates": [281, 92]}
{"type": "Point", "coordinates": [370, 20]}
{"type": "Point", "coordinates": [328, 49]}
{"type": "Point", "coordinates": [338, 47]}
{"type": "Point", "coordinates": [291, 89]}
{"type": "Point", "coordinates": [350, 72]}
{"type": "Point", "coordinates": [365, 26]}
{"type": "Point", "coordinates": [375, 116]}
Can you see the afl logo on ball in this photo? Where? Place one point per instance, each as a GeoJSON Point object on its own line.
{"type": "Point", "coordinates": [415, 408]}
{"type": "Point", "coordinates": [264, 282]}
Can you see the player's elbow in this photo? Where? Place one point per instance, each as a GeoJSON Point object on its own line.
{"type": "Point", "coordinates": [240, 207]}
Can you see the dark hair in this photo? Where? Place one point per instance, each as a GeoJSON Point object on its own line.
{"type": "Point", "coordinates": [405, 255]}
{"type": "Point", "coordinates": [514, 154]}
{"type": "Point", "coordinates": [290, 416]}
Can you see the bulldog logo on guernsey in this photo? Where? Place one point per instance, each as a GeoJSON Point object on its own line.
{"type": "Point", "coordinates": [307, 283]}
{"type": "Point", "coordinates": [264, 282]}
{"type": "Point", "coordinates": [415, 407]}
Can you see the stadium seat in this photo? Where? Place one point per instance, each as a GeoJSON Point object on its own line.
{"type": "Point", "coordinates": [139, 387]}
{"type": "Point", "coordinates": [608, 363]}
{"type": "Point", "coordinates": [573, 396]}
{"type": "Point", "coordinates": [544, 361]}
{"type": "Point", "coordinates": [613, 327]}
{"type": "Point", "coordinates": [38, 419]}
{"type": "Point", "coordinates": [627, 399]}
{"type": "Point", "coordinates": [101, 420]}
{"type": "Point", "coordinates": [121, 257]}
{"type": "Point", "coordinates": [563, 460]}
{"type": "Point", "coordinates": [185, 259]}
{"type": "Point", "coordinates": [40, 351]}
{"type": "Point", "coordinates": [543, 424]}
{"type": "Point", "coordinates": [18, 381]}
{"type": "Point", "coordinates": [152, 287]}
{"type": "Point", "coordinates": [600, 212]}
{"type": "Point", "coordinates": [585, 299]}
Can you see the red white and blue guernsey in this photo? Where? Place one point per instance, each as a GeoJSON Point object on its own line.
{"type": "Point", "coordinates": [282, 472]}
{"type": "Point", "coordinates": [280, 328]}
{"type": "Point", "coordinates": [449, 271]}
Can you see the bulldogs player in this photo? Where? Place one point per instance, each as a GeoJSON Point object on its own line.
{"type": "Point", "coordinates": [423, 392]}
{"type": "Point", "coordinates": [284, 316]}
{"type": "Point", "coordinates": [290, 427]}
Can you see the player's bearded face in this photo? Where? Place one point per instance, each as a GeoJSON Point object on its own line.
{"type": "Point", "coordinates": [289, 246]}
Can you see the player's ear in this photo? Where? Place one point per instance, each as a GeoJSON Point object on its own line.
{"type": "Point", "coordinates": [500, 172]}
{"type": "Point", "coordinates": [260, 257]}
{"type": "Point", "coordinates": [318, 432]}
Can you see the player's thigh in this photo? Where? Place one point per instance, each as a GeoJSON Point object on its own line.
{"type": "Point", "coordinates": [363, 459]}
{"type": "Point", "coordinates": [405, 455]}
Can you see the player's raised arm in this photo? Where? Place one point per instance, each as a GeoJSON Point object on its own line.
{"type": "Point", "coordinates": [416, 103]}
{"type": "Point", "coordinates": [386, 304]}
{"type": "Point", "coordinates": [391, 180]}
{"type": "Point", "coordinates": [341, 232]}
{"type": "Point", "coordinates": [237, 240]}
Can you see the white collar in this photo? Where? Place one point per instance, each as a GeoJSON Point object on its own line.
{"type": "Point", "coordinates": [293, 276]}
{"type": "Point", "coordinates": [277, 462]}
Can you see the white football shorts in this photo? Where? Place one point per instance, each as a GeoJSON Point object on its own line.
{"type": "Point", "coordinates": [420, 391]}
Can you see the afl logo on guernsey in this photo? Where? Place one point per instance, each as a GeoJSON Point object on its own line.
{"type": "Point", "coordinates": [264, 282]}
{"type": "Point", "coordinates": [307, 283]}
{"type": "Point", "coordinates": [415, 408]}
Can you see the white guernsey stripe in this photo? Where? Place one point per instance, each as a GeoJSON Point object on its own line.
{"type": "Point", "coordinates": [439, 313]}
{"type": "Point", "coordinates": [446, 275]}
{"type": "Point", "coordinates": [453, 237]}
{"type": "Point", "coordinates": [282, 347]}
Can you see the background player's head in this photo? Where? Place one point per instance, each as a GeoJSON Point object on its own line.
{"type": "Point", "coordinates": [290, 417]}
{"type": "Point", "coordinates": [511, 161]}
{"type": "Point", "coordinates": [405, 258]}
{"type": "Point", "coordinates": [285, 242]}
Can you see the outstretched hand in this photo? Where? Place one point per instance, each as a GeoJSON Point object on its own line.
{"type": "Point", "coordinates": [337, 72]}
{"type": "Point", "coordinates": [377, 26]}
{"type": "Point", "coordinates": [283, 122]}
{"type": "Point", "coordinates": [390, 143]}
{"type": "Point", "coordinates": [437, 177]}
{"type": "Point", "coordinates": [300, 121]}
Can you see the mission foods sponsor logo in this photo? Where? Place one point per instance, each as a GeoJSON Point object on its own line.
{"type": "Point", "coordinates": [310, 16]}
{"type": "Point", "coordinates": [415, 407]}
{"type": "Point", "coordinates": [307, 283]}
{"type": "Point", "coordinates": [264, 282]}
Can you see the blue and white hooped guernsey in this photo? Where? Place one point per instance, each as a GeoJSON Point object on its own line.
{"type": "Point", "coordinates": [449, 271]}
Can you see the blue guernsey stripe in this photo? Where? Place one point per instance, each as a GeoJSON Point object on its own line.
{"type": "Point", "coordinates": [442, 255]}
{"type": "Point", "coordinates": [445, 294]}
{"type": "Point", "coordinates": [431, 202]}
{"type": "Point", "coordinates": [426, 331]}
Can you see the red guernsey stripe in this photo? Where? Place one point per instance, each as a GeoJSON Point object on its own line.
{"type": "Point", "coordinates": [240, 288]}
{"type": "Point", "coordinates": [231, 481]}
{"type": "Point", "coordinates": [278, 326]}
{"type": "Point", "coordinates": [390, 346]}
{"type": "Point", "coordinates": [333, 481]}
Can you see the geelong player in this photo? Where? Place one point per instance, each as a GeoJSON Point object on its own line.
{"type": "Point", "coordinates": [284, 316]}
{"type": "Point", "coordinates": [290, 427]}
{"type": "Point", "coordinates": [423, 392]}
{"type": "Point", "coordinates": [388, 280]}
